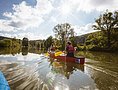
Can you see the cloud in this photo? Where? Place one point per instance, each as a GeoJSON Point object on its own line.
{"type": "Point", "coordinates": [47, 13]}
{"type": "Point", "coordinates": [4, 26]}
{"type": "Point", "coordinates": [90, 5]}
{"type": "Point", "coordinates": [44, 6]}
{"type": "Point", "coordinates": [29, 35]}
{"type": "Point", "coordinates": [101, 5]}
{"type": "Point", "coordinates": [80, 30]}
{"type": "Point", "coordinates": [24, 17]}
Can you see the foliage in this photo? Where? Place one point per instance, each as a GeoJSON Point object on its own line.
{"type": "Point", "coordinates": [16, 42]}
{"type": "Point", "coordinates": [63, 32]}
{"type": "Point", "coordinates": [106, 39]}
{"type": "Point", "coordinates": [10, 42]}
{"type": "Point", "coordinates": [48, 42]}
{"type": "Point", "coordinates": [81, 47]}
{"type": "Point", "coordinates": [25, 42]}
{"type": "Point", "coordinates": [97, 41]}
{"type": "Point", "coordinates": [31, 43]}
{"type": "Point", "coordinates": [5, 43]}
{"type": "Point", "coordinates": [107, 22]}
{"type": "Point", "coordinates": [74, 41]}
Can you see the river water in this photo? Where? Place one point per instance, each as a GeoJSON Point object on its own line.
{"type": "Point", "coordinates": [35, 71]}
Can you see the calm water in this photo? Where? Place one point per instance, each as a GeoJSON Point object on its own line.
{"type": "Point", "coordinates": [31, 70]}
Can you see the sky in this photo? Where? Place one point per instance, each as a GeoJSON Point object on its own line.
{"type": "Point", "coordinates": [35, 19]}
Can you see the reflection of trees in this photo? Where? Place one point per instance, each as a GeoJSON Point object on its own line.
{"type": "Point", "coordinates": [69, 68]}
{"type": "Point", "coordinates": [24, 50]}
{"type": "Point", "coordinates": [17, 50]}
{"type": "Point", "coordinates": [102, 68]}
{"type": "Point", "coordinates": [10, 50]}
{"type": "Point", "coordinates": [104, 80]}
{"type": "Point", "coordinates": [65, 68]}
{"type": "Point", "coordinates": [33, 50]}
{"type": "Point", "coordinates": [100, 56]}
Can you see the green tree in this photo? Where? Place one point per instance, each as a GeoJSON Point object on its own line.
{"type": "Point", "coordinates": [15, 42]}
{"type": "Point", "coordinates": [106, 23]}
{"type": "Point", "coordinates": [48, 42]}
{"type": "Point", "coordinates": [5, 43]}
{"type": "Point", "coordinates": [63, 32]}
{"type": "Point", "coordinates": [96, 41]}
{"type": "Point", "coordinates": [25, 42]}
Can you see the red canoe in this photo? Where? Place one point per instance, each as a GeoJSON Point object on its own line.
{"type": "Point", "coordinates": [80, 60]}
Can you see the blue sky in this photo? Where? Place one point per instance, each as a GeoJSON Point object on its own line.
{"type": "Point", "coordinates": [35, 19]}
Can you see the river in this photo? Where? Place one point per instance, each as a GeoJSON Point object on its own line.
{"type": "Point", "coordinates": [32, 70]}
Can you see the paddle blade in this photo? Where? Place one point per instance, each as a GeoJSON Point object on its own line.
{"type": "Point", "coordinates": [59, 53]}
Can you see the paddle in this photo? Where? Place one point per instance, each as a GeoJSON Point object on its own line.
{"type": "Point", "coordinates": [58, 53]}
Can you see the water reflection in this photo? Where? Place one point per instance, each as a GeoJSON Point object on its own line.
{"type": "Point", "coordinates": [100, 56]}
{"type": "Point", "coordinates": [65, 68]}
{"type": "Point", "coordinates": [103, 68]}
{"type": "Point", "coordinates": [40, 73]}
{"type": "Point", "coordinates": [33, 71]}
{"type": "Point", "coordinates": [24, 50]}
{"type": "Point", "coordinates": [102, 79]}
{"type": "Point", "coordinates": [13, 51]}
{"type": "Point", "coordinates": [22, 75]}
{"type": "Point", "coordinates": [68, 76]}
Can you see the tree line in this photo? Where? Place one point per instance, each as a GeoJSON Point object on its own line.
{"type": "Point", "coordinates": [107, 36]}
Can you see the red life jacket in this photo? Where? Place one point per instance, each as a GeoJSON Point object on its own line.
{"type": "Point", "coordinates": [70, 48]}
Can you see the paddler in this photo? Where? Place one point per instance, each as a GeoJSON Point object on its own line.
{"type": "Point", "coordinates": [70, 50]}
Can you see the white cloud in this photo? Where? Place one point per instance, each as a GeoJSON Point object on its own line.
{"type": "Point", "coordinates": [44, 6]}
{"type": "Point", "coordinates": [66, 7]}
{"type": "Point", "coordinates": [68, 10]}
{"type": "Point", "coordinates": [80, 30]}
{"type": "Point", "coordinates": [24, 17]}
{"type": "Point", "coordinates": [90, 5]}
{"type": "Point", "coordinates": [99, 5]}
{"type": "Point", "coordinates": [4, 26]}
{"type": "Point", "coordinates": [29, 35]}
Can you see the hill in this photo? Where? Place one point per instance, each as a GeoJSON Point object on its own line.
{"type": "Point", "coordinates": [1, 38]}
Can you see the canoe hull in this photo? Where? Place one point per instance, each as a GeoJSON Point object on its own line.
{"type": "Point", "coordinates": [80, 60]}
{"type": "Point", "coordinates": [3, 82]}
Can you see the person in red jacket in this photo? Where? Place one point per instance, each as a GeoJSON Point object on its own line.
{"type": "Point", "coordinates": [70, 50]}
